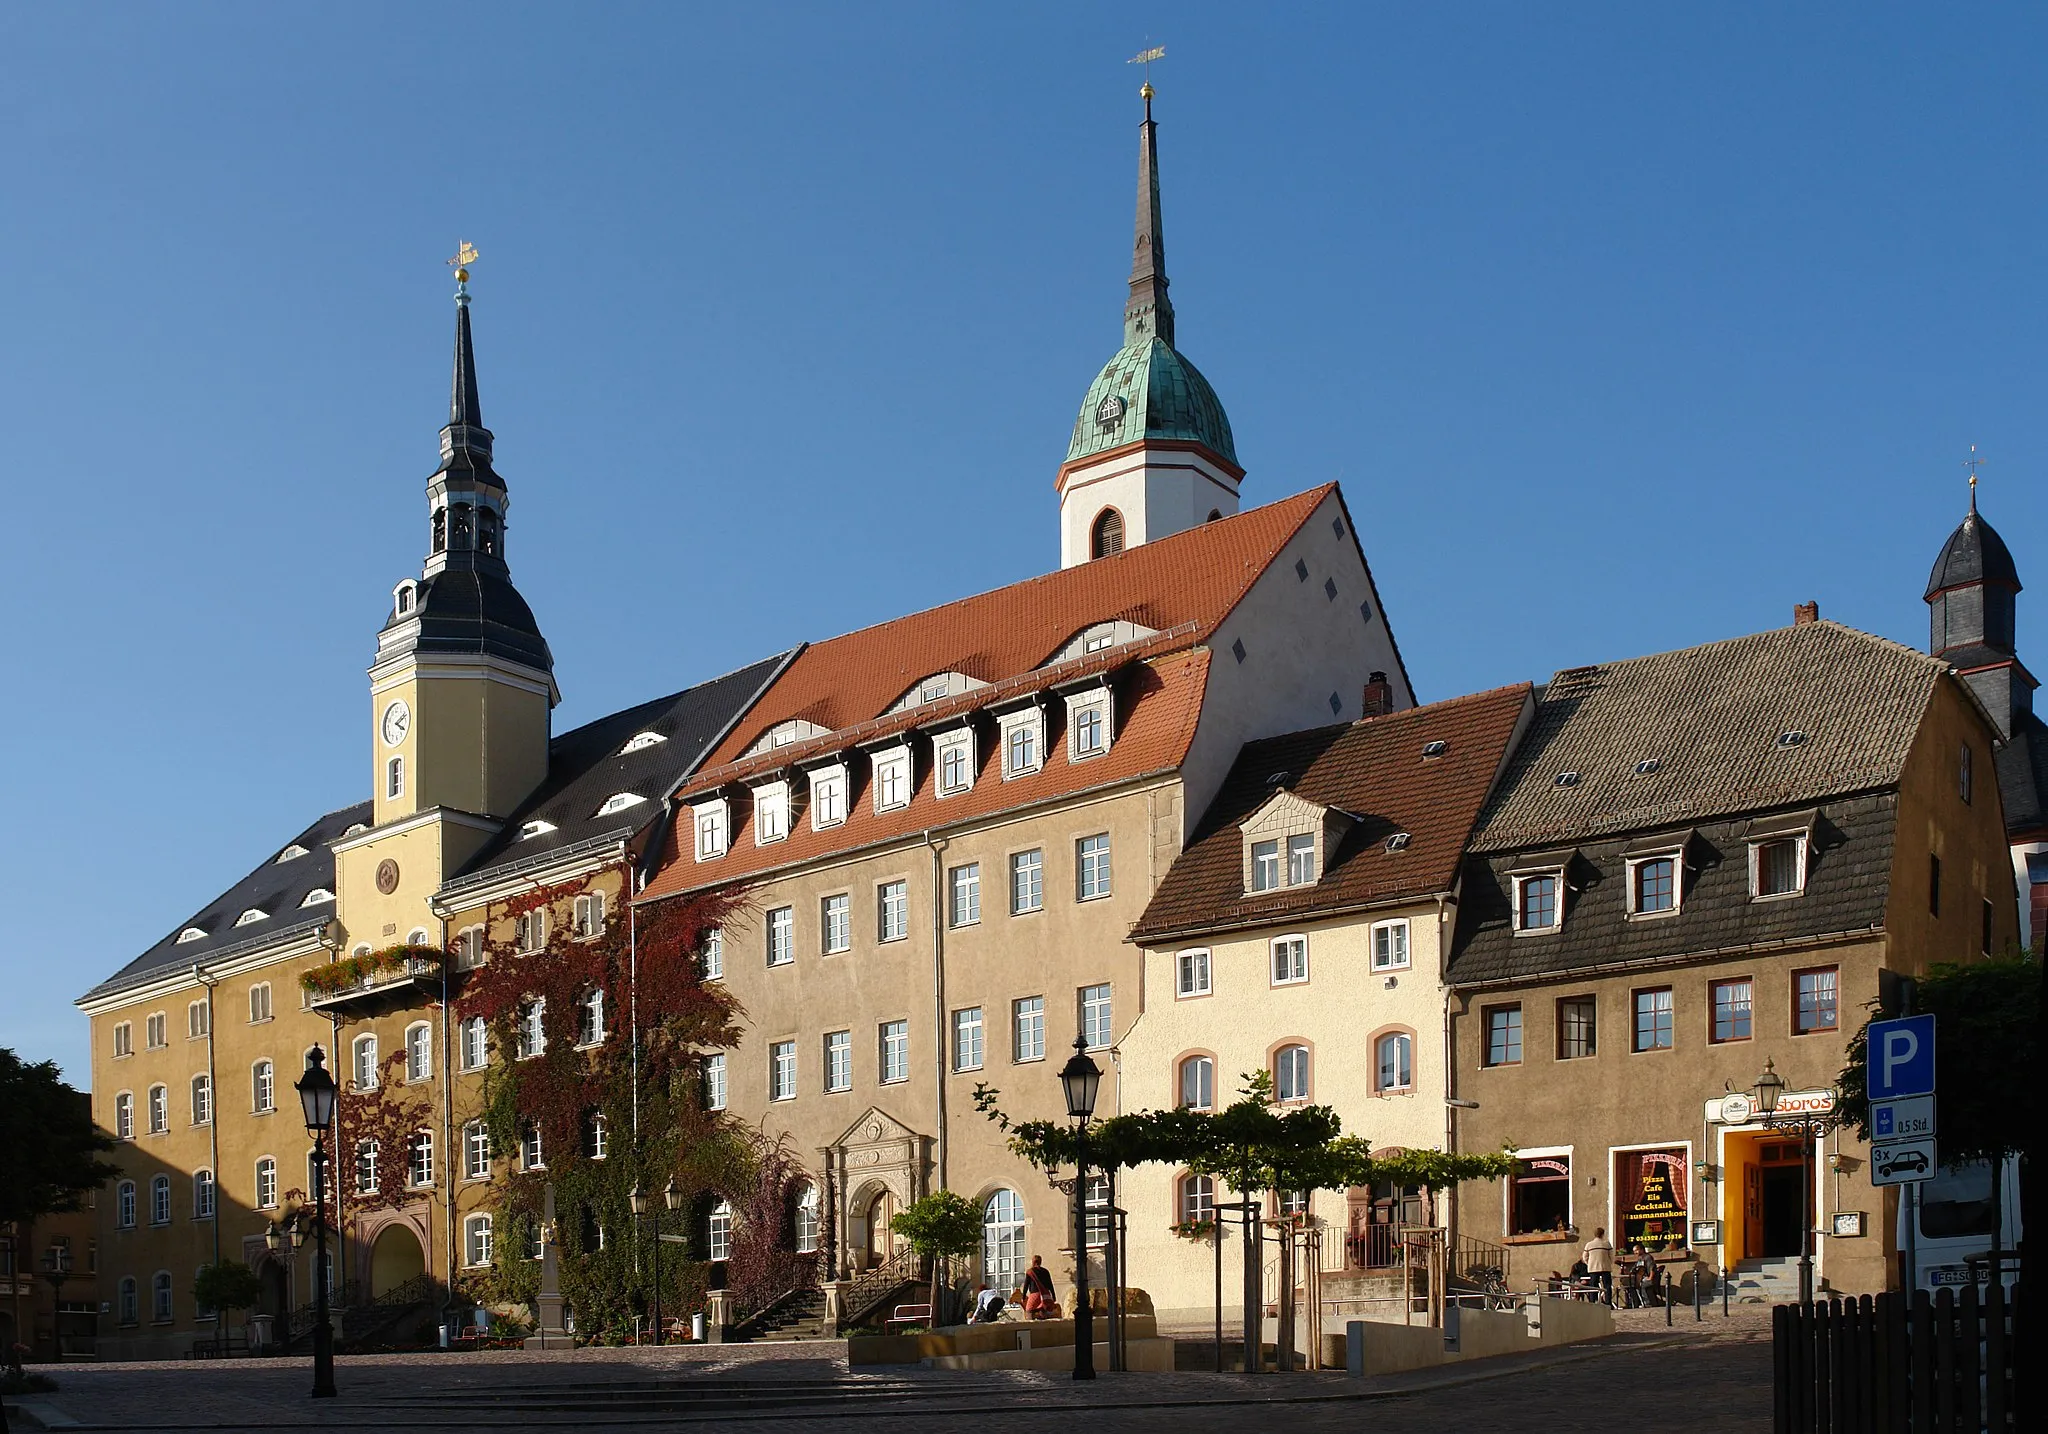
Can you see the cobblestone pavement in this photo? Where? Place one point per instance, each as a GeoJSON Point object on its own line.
{"type": "Point", "coordinates": [1714, 1372]}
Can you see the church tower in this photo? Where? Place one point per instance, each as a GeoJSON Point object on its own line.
{"type": "Point", "coordinates": [463, 683]}
{"type": "Point", "coordinates": [1971, 596]}
{"type": "Point", "coordinates": [1151, 453]}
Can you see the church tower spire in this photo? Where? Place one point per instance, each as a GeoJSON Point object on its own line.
{"type": "Point", "coordinates": [1148, 311]}
{"type": "Point", "coordinates": [1971, 601]}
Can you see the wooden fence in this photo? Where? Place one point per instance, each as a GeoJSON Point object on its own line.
{"type": "Point", "coordinates": [1884, 1364]}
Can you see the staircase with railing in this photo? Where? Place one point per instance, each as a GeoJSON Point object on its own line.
{"type": "Point", "coordinates": [873, 1288]}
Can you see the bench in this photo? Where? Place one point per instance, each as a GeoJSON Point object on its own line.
{"type": "Point", "coordinates": [908, 1314]}
{"type": "Point", "coordinates": [219, 1346]}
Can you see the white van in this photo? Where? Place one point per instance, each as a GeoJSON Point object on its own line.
{"type": "Point", "coordinates": [1956, 1217]}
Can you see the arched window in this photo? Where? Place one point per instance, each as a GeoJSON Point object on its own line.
{"type": "Point", "coordinates": [1198, 1083]}
{"type": "Point", "coordinates": [440, 530]}
{"type": "Point", "coordinates": [202, 1195]}
{"type": "Point", "coordinates": [487, 531]}
{"type": "Point", "coordinates": [1392, 1061]}
{"type": "Point", "coordinates": [259, 1001]}
{"type": "Point", "coordinates": [419, 1051]}
{"type": "Point", "coordinates": [202, 1099]}
{"type": "Point", "coordinates": [160, 1297]}
{"type": "Point", "coordinates": [476, 1044]}
{"type": "Point", "coordinates": [129, 1314]}
{"type": "Point", "coordinates": [418, 937]}
{"type": "Point", "coordinates": [266, 1184]}
{"type": "Point", "coordinates": [364, 1062]}
{"type": "Point", "coordinates": [262, 1088]}
{"type": "Point", "coordinates": [476, 1241]}
{"type": "Point", "coordinates": [590, 1017]}
{"type": "Point", "coordinates": [159, 1109]}
{"type": "Point", "coordinates": [419, 1163]}
{"type": "Point", "coordinates": [366, 1167]}
{"type": "Point", "coordinates": [1290, 1073]}
{"type": "Point", "coordinates": [807, 1221]}
{"type": "Point", "coordinates": [394, 778]}
{"type": "Point", "coordinates": [461, 532]}
{"type": "Point", "coordinates": [1196, 1204]}
{"type": "Point", "coordinates": [476, 1151]}
{"type": "Point", "coordinates": [719, 1243]}
{"type": "Point", "coordinates": [124, 1205]}
{"type": "Point", "coordinates": [160, 1200]}
{"type": "Point", "coordinates": [1002, 1241]}
{"type": "Point", "coordinates": [1215, 515]}
{"type": "Point", "coordinates": [124, 1116]}
{"type": "Point", "coordinates": [597, 1133]}
{"type": "Point", "coordinates": [1107, 536]}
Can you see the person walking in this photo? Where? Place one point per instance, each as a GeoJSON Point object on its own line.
{"type": "Point", "coordinates": [1599, 1257]}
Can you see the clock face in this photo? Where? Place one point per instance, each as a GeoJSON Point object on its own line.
{"type": "Point", "coordinates": [397, 722]}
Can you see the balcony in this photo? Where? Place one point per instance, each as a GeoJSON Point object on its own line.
{"type": "Point", "coordinates": [360, 984]}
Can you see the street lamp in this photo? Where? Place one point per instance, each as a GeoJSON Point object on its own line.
{"type": "Point", "coordinates": [1081, 1079]}
{"type": "Point", "coordinates": [1809, 1124]}
{"type": "Point", "coordinates": [316, 1093]}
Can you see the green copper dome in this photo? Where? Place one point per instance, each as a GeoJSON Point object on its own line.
{"type": "Point", "coordinates": [1147, 390]}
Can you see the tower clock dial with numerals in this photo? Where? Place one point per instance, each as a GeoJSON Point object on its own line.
{"type": "Point", "coordinates": [397, 722]}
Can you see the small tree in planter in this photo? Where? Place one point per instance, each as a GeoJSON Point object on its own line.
{"type": "Point", "coordinates": [941, 1228]}
{"type": "Point", "coordinates": [229, 1285]}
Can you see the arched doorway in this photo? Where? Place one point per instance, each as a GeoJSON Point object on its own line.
{"type": "Point", "coordinates": [395, 1257]}
{"type": "Point", "coordinates": [276, 1293]}
{"type": "Point", "coordinates": [880, 1241]}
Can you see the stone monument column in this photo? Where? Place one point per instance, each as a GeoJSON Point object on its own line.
{"type": "Point", "coordinates": [551, 1334]}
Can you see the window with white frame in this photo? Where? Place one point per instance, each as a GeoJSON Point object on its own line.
{"type": "Point", "coordinates": [124, 1039]}
{"type": "Point", "coordinates": [202, 1100]}
{"type": "Point", "coordinates": [259, 1002]}
{"type": "Point", "coordinates": [128, 1304]}
{"type": "Point", "coordinates": [1655, 884]}
{"type": "Point", "coordinates": [419, 1163]}
{"type": "Point", "coordinates": [531, 1237]}
{"type": "Point", "coordinates": [1197, 1200]}
{"type": "Point", "coordinates": [619, 802]}
{"type": "Point", "coordinates": [1087, 726]}
{"type": "Point", "coordinates": [590, 1030]}
{"type": "Point", "coordinates": [266, 1184]}
{"type": "Point", "coordinates": [589, 915]}
{"type": "Point", "coordinates": [124, 1205]}
{"type": "Point", "coordinates": [1393, 1062]}
{"type": "Point", "coordinates": [530, 1032]}
{"type": "Point", "coordinates": [1023, 742]}
{"type": "Point", "coordinates": [714, 1081]}
{"type": "Point", "coordinates": [1002, 1240]}
{"type": "Point", "coordinates": [771, 812]}
{"type": "Point", "coordinates": [1290, 1073]}
{"type": "Point", "coordinates": [203, 1195]}
{"type": "Point", "coordinates": [838, 1060]}
{"type": "Point", "coordinates": [964, 888]}
{"type": "Point", "coordinates": [531, 1156]}
{"type": "Point", "coordinates": [892, 911]}
{"type": "Point", "coordinates": [157, 1029]}
{"type": "Point", "coordinates": [1539, 1193]}
{"type": "Point", "coordinates": [1539, 900]}
{"type": "Point", "coordinates": [1097, 1028]}
{"type": "Point", "coordinates": [892, 779]}
{"type": "Point", "coordinates": [1390, 945]}
{"type": "Point", "coordinates": [367, 1152]}
{"type": "Point", "coordinates": [394, 778]}
{"type": "Point", "coordinates": [159, 1109]}
{"type": "Point", "coordinates": [1191, 973]}
{"type": "Point", "coordinates": [807, 1221]}
{"type": "Point", "coordinates": [476, 1151]}
{"type": "Point", "coordinates": [1091, 867]}
{"type": "Point", "coordinates": [1266, 865]}
{"type": "Point", "coordinates": [160, 1200]}
{"type": "Point", "coordinates": [782, 1070]}
{"type": "Point", "coordinates": [419, 1051]}
{"type": "Point", "coordinates": [197, 1020]}
{"type": "Point", "coordinates": [363, 1062]}
{"type": "Point", "coordinates": [1027, 881]}
{"type": "Point", "coordinates": [782, 936]}
{"type": "Point", "coordinates": [828, 796]}
{"type": "Point", "coordinates": [967, 1039]}
{"type": "Point", "coordinates": [1290, 960]}
{"type": "Point", "coordinates": [476, 1044]}
{"type": "Point", "coordinates": [160, 1298]}
{"type": "Point", "coordinates": [835, 923]}
{"type": "Point", "coordinates": [597, 1135]}
{"type": "Point", "coordinates": [712, 825]}
{"type": "Point", "coordinates": [1095, 1215]}
{"type": "Point", "coordinates": [718, 1235]}
{"type": "Point", "coordinates": [1777, 865]}
{"type": "Point", "coordinates": [1198, 1083]}
{"type": "Point", "coordinates": [530, 931]}
{"type": "Point", "coordinates": [714, 954]}
{"type": "Point", "coordinates": [124, 1116]}
{"type": "Point", "coordinates": [1027, 1019]}
{"type": "Point", "coordinates": [476, 1241]}
{"type": "Point", "coordinates": [262, 1088]}
{"type": "Point", "coordinates": [1301, 859]}
{"type": "Point", "coordinates": [894, 1040]}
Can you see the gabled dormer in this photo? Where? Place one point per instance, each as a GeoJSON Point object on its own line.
{"type": "Point", "coordinates": [1289, 840]}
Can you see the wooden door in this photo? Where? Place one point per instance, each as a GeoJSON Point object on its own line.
{"type": "Point", "coordinates": [1752, 1212]}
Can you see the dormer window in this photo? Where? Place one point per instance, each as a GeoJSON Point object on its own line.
{"type": "Point", "coordinates": [251, 917]}
{"type": "Point", "coordinates": [1656, 875]}
{"type": "Point", "coordinates": [291, 853]}
{"type": "Point", "coordinates": [619, 801]}
{"type": "Point", "coordinates": [318, 896]}
{"type": "Point", "coordinates": [1301, 859]}
{"type": "Point", "coordinates": [771, 812]}
{"type": "Point", "coordinates": [953, 756]}
{"type": "Point", "coordinates": [1539, 900]}
{"type": "Point", "coordinates": [783, 734]}
{"type": "Point", "coordinates": [1265, 865]}
{"type": "Point", "coordinates": [1023, 739]}
{"type": "Point", "coordinates": [404, 598]}
{"type": "Point", "coordinates": [713, 822]}
{"type": "Point", "coordinates": [535, 828]}
{"type": "Point", "coordinates": [892, 779]}
{"type": "Point", "coordinates": [931, 689]}
{"type": "Point", "coordinates": [1779, 851]}
{"type": "Point", "coordinates": [935, 688]}
{"type": "Point", "coordinates": [1098, 638]}
{"type": "Point", "coordinates": [190, 933]}
{"type": "Point", "coordinates": [355, 829]}
{"type": "Point", "coordinates": [641, 741]}
{"type": "Point", "coordinates": [828, 796]}
{"type": "Point", "coordinates": [1088, 724]}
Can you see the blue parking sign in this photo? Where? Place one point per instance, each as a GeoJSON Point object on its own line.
{"type": "Point", "coordinates": [1901, 1057]}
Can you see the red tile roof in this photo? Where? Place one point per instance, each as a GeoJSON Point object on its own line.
{"type": "Point", "coordinates": [1374, 770]}
{"type": "Point", "coordinates": [1158, 702]}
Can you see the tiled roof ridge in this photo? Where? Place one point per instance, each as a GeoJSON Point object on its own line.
{"type": "Point", "coordinates": [1869, 780]}
{"type": "Point", "coordinates": [1174, 639]}
{"type": "Point", "coordinates": [1591, 670]}
{"type": "Point", "coordinates": [1402, 717]}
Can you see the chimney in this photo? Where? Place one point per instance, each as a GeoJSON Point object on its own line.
{"type": "Point", "coordinates": [1805, 612]}
{"type": "Point", "coordinates": [1379, 696]}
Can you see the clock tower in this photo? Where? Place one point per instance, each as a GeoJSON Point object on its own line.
{"type": "Point", "coordinates": [463, 682]}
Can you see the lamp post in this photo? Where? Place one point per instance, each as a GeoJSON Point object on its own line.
{"type": "Point", "coordinates": [1081, 1078]}
{"type": "Point", "coordinates": [316, 1094]}
{"type": "Point", "coordinates": [672, 1199]}
{"type": "Point", "coordinates": [1809, 1124]}
{"type": "Point", "coordinates": [57, 1269]}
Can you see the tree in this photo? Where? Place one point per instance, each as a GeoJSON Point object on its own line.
{"type": "Point", "coordinates": [51, 1147]}
{"type": "Point", "coordinates": [1987, 1046]}
{"type": "Point", "coordinates": [941, 1228]}
{"type": "Point", "coordinates": [228, 1285]}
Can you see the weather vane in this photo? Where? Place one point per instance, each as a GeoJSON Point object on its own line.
{"type": "Point", "coordinates": [1145, 58]}
{"type": "Point", "coordinates": [1973, 463]}
{"type": "Point", "coordinates": [465, 255]}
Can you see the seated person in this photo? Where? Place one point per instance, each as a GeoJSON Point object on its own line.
{"type": "Point", "coordinates": [988, 1306]}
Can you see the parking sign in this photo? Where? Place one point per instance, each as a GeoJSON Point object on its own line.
{"type": "Point", "coordinates": [1901, 1057]}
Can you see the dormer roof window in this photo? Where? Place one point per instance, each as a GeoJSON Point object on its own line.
{"type": "Point", "coordinates": [191, 933]}
{"type": "Point", "coordinates": [1539, 891]}
{"type": "Point", "coordinates": [641, 741]}
{"type": "Point", "coordinates": [404, 598]}
{"type": "Point", "coordinates": [953, 760]}
{"type": "Point", "coordinates": [535, 828]}
{"type": "Point", "coordinates": [1091, 723]}
{"type": "Point", "coordinates": [713, 822]}
{"type": "Point", "coordinates": [619, 801]}
{"type": "Point", "coordinates": [771, 812]}
{"type": "Point", "coordinates": [251, 917]}
{"type": "Point", "coordinates": [892, 777]}
{"type": "Point", "coordinates": [1288, 841]}
{"type": "Point", "coordinates": [935, 688]}
{"type": "Point", "coordinates": [1656, 875]}
{"type": "Point", "coordinates": [829, 785]}
{"type": "Point", "coordinates": [291, 853]}
{"type": "Point", "coordinates": [355, 829]}
{"type": "Point", "coordinates": [1023, 740]}
{"type": "Point", "coordinates": [318, 896]}
{"type": "Point", "coordinates": [1100, 637]}
{"type": "Point", "coordinates": [784, 734]}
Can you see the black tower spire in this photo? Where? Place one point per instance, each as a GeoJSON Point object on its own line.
{"type": "Point", "coordinates": [1148, 312]}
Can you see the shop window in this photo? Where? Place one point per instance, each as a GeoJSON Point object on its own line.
{"type": "Point", "coordinates": [1649, 1193]}
{"type": "Point", "coordinates": [1540, 1194]}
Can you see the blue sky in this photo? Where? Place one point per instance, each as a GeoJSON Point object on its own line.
{"type": "Point", "coordinates": [1624, 327]}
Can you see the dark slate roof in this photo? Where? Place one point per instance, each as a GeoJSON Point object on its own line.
{"type": "Point", "coordinates": [471, 609]}
{"type": "Point", "coordinates": [276, 888]}
{"type": "Point", "coordinates": [588, 765]}
{"type": "Point", "coordinates": [2022, 762]}
{"type": "Point", "coordinates": [1711, 718]}
{"type": "Point", "coordinates": [1373, 770]}
{"type": "Point", "coordinates": [1848, 878]}
{"type": "Point", "coordinates": [1974, 553]}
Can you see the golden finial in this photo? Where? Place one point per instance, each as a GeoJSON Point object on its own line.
{"type": "Point", "coordinates": [1973, 463]}
{"type": "Point", "coordinates": [465, 255]}
{"type": "Point", "coordinates": [1145, 58]}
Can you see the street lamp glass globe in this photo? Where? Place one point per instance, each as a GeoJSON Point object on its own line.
{"type": "Point", "coordinates": [673, 1196]}
{"type": "Point", "coordinates": [638, 1202]}
{"type": "Point", "coordinates": [1081, 1078]}
{"type": "Point", "coordinates": [316, 1092]}
{"type": "Point", "coordinates": [1769, 1086]}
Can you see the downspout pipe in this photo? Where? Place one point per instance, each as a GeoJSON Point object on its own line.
{"type": "Point", "coordinates": [937, 846]}
{"type": "Point", "coordinates": [451, 1154]}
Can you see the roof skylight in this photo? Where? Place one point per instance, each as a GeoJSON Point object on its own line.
{"type": "Point", "coordinates": [1648, 765]}
{"type": "Point", "coordinates": [291, 853]}
{"type": "Point", "coordinates": [1398, 842]}
{"type": "Point", "coordinates": [1435, 749]}
{"type": "Point", "coordinates": [1791, 737]}
{"type": "Point", "coordinates": [619, 801]}
{"type": "Point", "coordinates": [354, 828]}
{"type": "Point", "coordinates": [1567, 779]}
{"type": "Point", "coordinates": [318, 896]}
{"type": "Point", "coordinates": [251, 916]}
{"type": "Point", "coordinates": [535, 828]}
{"type": "Point", "coordinates": [641, 741]}
{"type": "Point", "coordinates": [191, 933]}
